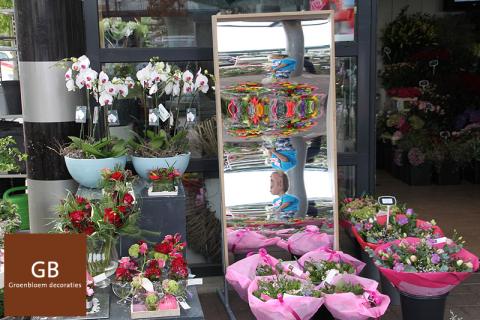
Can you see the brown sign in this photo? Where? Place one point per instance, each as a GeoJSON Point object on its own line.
{"type": "Point", "coordinates": [45, 274]}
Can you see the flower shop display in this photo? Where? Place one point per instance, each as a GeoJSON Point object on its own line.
{"type": "Point", "coordinates": [319, 262]}
{"type": "Point", "coordinates": [308, 240]}
{"type": "Point", "coordinates": [154, 276]}
{"type": "Point", "coordinates": [278, 108]}
{"type": "Point", "coordinates": [10, 156]}
{"type": "Point", "coordinates": [9, 219]}
{"type": "Point", "coordinates": [471, 135]}
{"type": "Point", "coordinates": [241, 273]}
{"type": "Point", "coordinates": [118, 33]}
{"type": "Point", "coordinates": [86, 155]}
{"type": "Point", "coordinates": [166, 145]}
{"type": "Point", "coordinates": [245, 240]}
{"type": "Point", "coordinates": [283, 297]}
{"type": "Point", "coordinates": [102, 220]}
{"type": "Point", "coordinates": [348, 296]}
{"type": "Point", "coordinates": [164, 182]}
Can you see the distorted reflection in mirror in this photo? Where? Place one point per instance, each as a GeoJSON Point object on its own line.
{"type": "Point", "coordinates": [275, 86]}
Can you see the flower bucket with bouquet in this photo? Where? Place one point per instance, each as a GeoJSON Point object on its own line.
{"type": "Point", "coordinates": [102, 220]}
{"type": "Point", "coordinates": [245, 240]}
{"type": "Point", "coordinates": [350, 297]}
{"type": "Point", "coordinates": [308, 240]}
{"type": "Point", "coordinates": [241, 273]}
{"type": "Point", "coordinates": [283, 297]}
{"type": "Point", "coordinates": [424, 271]}
{"type": "Point", "coordinates": [86, 155]}
{"type": "Point", "coordinates": [164, 182]}
{"type": "Point", "coordinates": [154, 276]}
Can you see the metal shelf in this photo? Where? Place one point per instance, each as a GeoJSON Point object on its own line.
{"type": "Point", "coordinates": [12, 175]}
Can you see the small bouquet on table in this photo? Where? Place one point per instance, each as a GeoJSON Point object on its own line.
{"type": "Point", "coordinates": [164, 182]}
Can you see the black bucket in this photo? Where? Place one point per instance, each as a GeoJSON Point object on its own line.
{"type": "Point", "coordinates": [323, 314]}
{"type": "Point", "coordinates": [370, 271]}
{"type": "Point", "coordinates": [425, 308]}
{"type": "Point", "coordinates": [389, 290]}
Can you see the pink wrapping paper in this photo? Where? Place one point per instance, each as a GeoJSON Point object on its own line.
{"type": "Point", "coordinates": [347, 306]}
{"type": "Point", "coordinates": [245, 240]}
{"type": "Point", "coordinates": [240, 274]}
{"type": "Point", "coordinates": [427, 284]}
{"type": "Point", "coordinates": [326, 254]}
{"type": "Point", "coordinates": [306, 241]}
{"type": "Point", "coordinates": [288, 307]}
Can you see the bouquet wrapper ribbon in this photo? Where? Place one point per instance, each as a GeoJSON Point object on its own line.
{"type": "Point", "coordinates": [427, 284]}
{"type": "Point", "coordinates": [241, 273]}
{"type": "Point", "coordinates": [288, 307]}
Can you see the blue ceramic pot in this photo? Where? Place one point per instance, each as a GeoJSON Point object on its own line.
{"type": "Point", "coordinates": [144, 165]}
{"type": "Point", "coordinates": [87, 172]}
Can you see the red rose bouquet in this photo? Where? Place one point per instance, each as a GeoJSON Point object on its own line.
{"type": "Point", "coordinates": [164, 179]}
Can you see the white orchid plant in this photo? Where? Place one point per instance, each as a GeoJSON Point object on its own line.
{"type": "Point", "coordinates": [116, 29]}
{"type": "Point", "coordinates": [159, 79]}
{"type": "Point", "coordinates": [81, 76]}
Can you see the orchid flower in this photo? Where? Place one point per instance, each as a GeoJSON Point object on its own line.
{"type": "Point", "coordinates": [122, 89]}
{"type": "Point", "coordinates": [80, 80]}
{"type": "Point", "coordinates": [105, 99]}
{"type": "Point", "coordinates": [84, 62]}
{"type": "Point", "coordinates": [153, 89]}
{"type": "Point", "coordinates": [129, 82]}
{"type": "Point", "coordinates": [90, 75]}
{"type": "Point", "coordinates": [201, 83]}
{"type": "Point", "coordinates": [103, 77]}
{"type": "Point", "coordinates": [70, 84]}
{"type": "Point", "coordinates": [110, 88]}
{"type": "Point", "coordinates": [68, 74]}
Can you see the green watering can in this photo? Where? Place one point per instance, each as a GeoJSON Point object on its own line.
{"type": "Point", "coordinates": [21, 200]}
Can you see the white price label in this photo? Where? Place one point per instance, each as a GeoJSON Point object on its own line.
{"type": "Point", "coordinates": [195, 282]}
{"type": "Point", "coordinates": [163, 113]}
{"type": "Point", "coordinates": [330, 275]}
{"type": "Point", "coordinates": [297, 271]}
{"type": "Point", "coordinates": [440, 240]}
{"type": "Point", "coordinates": [95, 115]}
{"type": "Point", "coordinates": [183, 303]}
{"type": "Point", "coordinates": [99, 278]}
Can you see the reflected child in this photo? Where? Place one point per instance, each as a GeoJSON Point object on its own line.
{"type": "Point", "coordinates": [282, 155]}
{"type": "Point", "coordinates": [286, 205]}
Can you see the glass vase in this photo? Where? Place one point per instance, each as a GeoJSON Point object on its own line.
{"type": "Point", "coordinates": [102, 258]}
{"type": "Point", "coordinates": [123, 290]}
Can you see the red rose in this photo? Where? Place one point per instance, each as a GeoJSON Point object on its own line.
{"type": "Point", "coordinates": [117, 175]}
{"type": "Point", "coordinates": [76, 217]}
{"type": "Point", "coordinates": [80, 200]}
{"type": "Point", "coordinates": [89, 229]}
{"type": "Point", "coordinates": [164, 247]}
{"type": "Point", "coordinates": [178, 263]}
{"type": "Point", "coordinates": [112, 217]}
{"type": "Point", "coordinates": [128, 199]}
{"type": "Point", "coordinates": [122, 209]}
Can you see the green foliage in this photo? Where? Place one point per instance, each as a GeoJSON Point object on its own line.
{"type": "Point", "coordinates": [6, 20]}
{"type": "Point", "coordinates": [343, 287]}
{"type": "Point", "coordinates": [318, 270]}
{"type": "Point", "coordinates": [91, 149]}
{"type": "Point", "coordinates": [159, 144]}
{"type": "Point", "coordinates": [9, 219]}
{"type": "Point", "coordinates": [9, 155]}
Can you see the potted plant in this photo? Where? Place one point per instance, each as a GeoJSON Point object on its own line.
{"type": "Point", "coordinates": [9, 219]}
{"type": "Point", "coordinates": [10, 156]}
{"type": "Point", "coordinates": [164, 182]}
{"type": "Point", "coordinates": [447, 154]}
{"type": "Point", "coordinates": [166, 144]}
{"type": "Point", "coordinates": [87, 155]}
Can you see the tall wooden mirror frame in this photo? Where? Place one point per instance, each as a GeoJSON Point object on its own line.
{"type": "Point", "coordinates": [330, 115]}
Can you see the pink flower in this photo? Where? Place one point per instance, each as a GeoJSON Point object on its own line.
{"type": "Point", "coordinates": [161, 263]}
{"type": "Point", "coordinates": [143, 248]}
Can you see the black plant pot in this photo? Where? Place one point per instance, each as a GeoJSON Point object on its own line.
{"type": "Point", "coordinates": [418, 175]}
{"type": "Point", "coordinates": [425, 308]}
{"type": "Point", "coordinates": [387, 156]}
{"type": "Point", "coordinates": [471, 172]}
{"type": "Point", "coordinates": [370, 270]}
{"type": "Point", "coordinates": [323, 314]}
{"type": "Point", "coordinates": [389, 290]}
{"type": "Point", "coordinates": [447, 173]}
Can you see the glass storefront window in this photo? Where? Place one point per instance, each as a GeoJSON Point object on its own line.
{"type": "Point", "coordinates": [182, 23]}
{"type": "Point", "coordinates": [346, 87]}
{"type": "Point", "coordinates": [346, 181]}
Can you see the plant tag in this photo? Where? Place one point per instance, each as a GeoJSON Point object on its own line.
{"type": "Point", "coordinates": [153, 118]}
{"type": "Point", "coordinates": [95, 115]}
{"type": "Point", "coordinates": [163, 113]}
{"type": "Point", "coordinates": [183, 303]}
{"type": "Point", "coordinates": [99, 278]}
{"type": "Point", "coordinates": [330, 275]}
{"type": "Point", "coordinates": [433, 63]}
{"type": "Point", "coordinates": [297, 271]}
{"type": "Point", "coordinates": [423, 83]}
{"type": "Point", "coordinates": [147, 285]}
{"type": "Point", "coordinates": [81, 114]}
{"type": "Point", "coordinates": [191, 115]}
{"type": "Point", "coordinates": [195, 282]}
{"type": "Point", "coordinates": [112, 118]}
{"type": "Point", "coordinates": [440, 240]}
